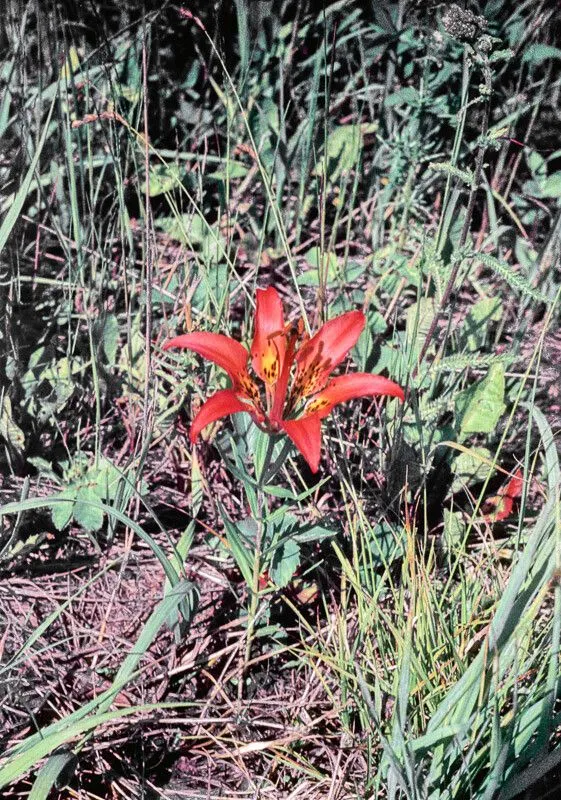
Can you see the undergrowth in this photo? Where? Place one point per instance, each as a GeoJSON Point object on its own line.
{"type": "Point", "coordinates": [216, 619]}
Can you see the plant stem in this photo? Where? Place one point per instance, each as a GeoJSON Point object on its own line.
{"type": "Point", "coordinates": [263, 506]}
{"type": "Point", "coordinates": [476, 180]}
{"type": "Point", "coordinates": [253, 598]}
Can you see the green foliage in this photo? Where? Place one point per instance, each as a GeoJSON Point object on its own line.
{"type": "Point", "coordinates": [515, 280]}
{"type": "Point", "coordinates": [87, 484]}
{"type": "Point", "coordinates": [9, 430]}
{"type": "Point", "coordinates": [471, 466]}
{"type": "Point", "coordinates": [284, 562]}
{"type": "Point", "coordinates": [538, 53]}
{"type": "Point", "coordinates": [479, 408]}
{"type": "Point", "coordinates": [342, 152]}
{"type": "Point", "coordinates": [395, 158]}
{"type": "Point", "coordinates": [327, 269]}
{"type": "Point", "coordinates": [484, 312]}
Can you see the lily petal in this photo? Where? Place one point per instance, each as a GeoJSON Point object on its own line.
{"type": "Point", "coordinates": [221, 404]}
{"type": "Point", "coordinates": [306, 435]}
{"type": "Point", "coordinates": [348, 387]}
{"type": "Point", "coordinates": [269, 341]}
{"type": "Point", "coordinates": [324, 351]}
{"type": "Point", "coordinates": [222, 350]}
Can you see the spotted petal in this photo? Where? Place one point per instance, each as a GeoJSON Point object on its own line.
{"type": "Point", "coordinates": [222, 350]}
{"type": "Point", "coordinates": [269, 341]}
{"type": "Point", "coordinates": [348, 387]}
{"type": "Point", "coordinates": [324, 351]}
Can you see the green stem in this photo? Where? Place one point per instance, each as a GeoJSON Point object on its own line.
{"type": "Point", "coordinates": [458, 260]}
{"type": "Point", "coordinates": [263, 507]}
{"type": "Point", "coordinates": [253, 599]}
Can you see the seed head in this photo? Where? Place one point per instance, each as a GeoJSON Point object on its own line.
{"type": "Point", "coordinates": [463, 25]}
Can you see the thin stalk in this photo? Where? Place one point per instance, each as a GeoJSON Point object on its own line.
{"type": "Point", "coordinates": [458, 136]}
{"type": "Point", "coordinates": [475, 183]}
{"type": "Point", "coordinates": [263, 506]}
{"type": "Point", "coordinates": [253, 596]}
{"type": "Point", "coordinates": [149, 266]}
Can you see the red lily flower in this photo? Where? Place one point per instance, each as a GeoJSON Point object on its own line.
{"type": "Point", "coordinates": [503, 502]}
{"type": "Point", "coordinates": [277, 360]}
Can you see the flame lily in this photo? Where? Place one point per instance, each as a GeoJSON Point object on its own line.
{"type": "Point", "coordinates": [503, 502]}
{"type": "Point", "coordinates": [296, 392]}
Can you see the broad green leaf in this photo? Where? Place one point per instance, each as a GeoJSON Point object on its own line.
{"type": "Point", "coordinates": [406, 96]}
{"type": "Point", "coordinates": [61, 513]}
{"type": "Point", "coordinates": [262, 451]}
{"type": "Point", "coordinates": [71, 65]}
{"type": "Point", "coordinates": [323, 266]}
{"type": "Point", "coordinates": [479, 408]}
{"type": "Point", "coordinates": [538, 53]}
{"type": "Point", "coordinates": [418, 321]}
{"type": "Point", "coordinates": [231, 170]}
{"type": "Point", "coordinates": [110, 483]}
{"type": "Point", "coordinates": [314, 532]}
{"type": "Point", "coordinates": [386, 544]}
{"type": "Point", "coordinates": [264, 121]}
{"type": "Point", "coordinates": [60, 375]}
{"type": "Point", "coordinates": [48, 775]}
{"type": "Point", "coordinates": [214, 285]}
{"type": "Point", "coordinates": [365, 351]}
{"type": "Point", "coordinates": [164, 178]}
{"type": "Point", "coordinates": [342, 152]}
{"type": "Point", "coordinates": [285, 562]}
{"type": "Point", "coordinates": [328, 269]}
{"type": "Point", "coordinates": [551, 186]}
{"type": "Point", "coordinates": [44, 467]}
{"type": "Point", "coordinates": [392, 267]}
{"type": "Point", "coordinates": [537, 165]}
{"type": "Point", "coordinates": [470, 467]}
{"type": "Point", "coordinates": [130, 84]}
{"type": "Point", "coordinates": [287, 494]}
{"type": "Point", "coordinates": [166, 293]}
{"type": "Point", "coordinates": [87, 511]}
{"type": "Point", "coordinates": [486, 310]}
{"type": "Point", "coordinates": [283, 526]}
{"type": "Point", "coordinates": [111, 338]}
{"type": "Point", "coordinates": [454, 530]}
{"type": "Point", "coordinates": [194, 231]}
